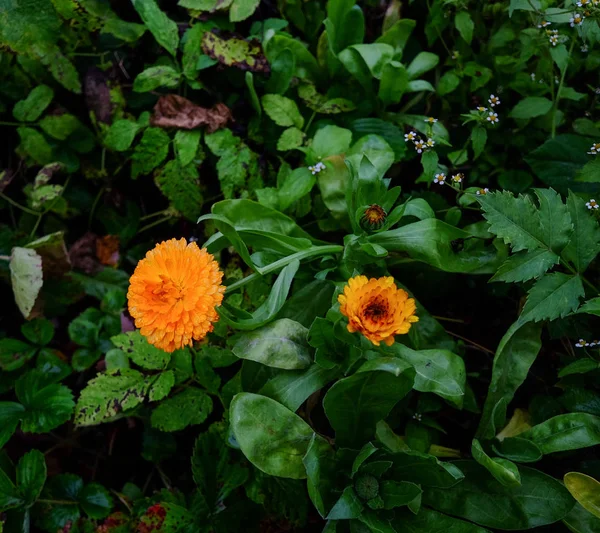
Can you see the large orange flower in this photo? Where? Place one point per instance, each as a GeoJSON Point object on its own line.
{"type": "Point", "coordinates": [173, 294]}
{"type": "Point", "coordinates": [377, 308]}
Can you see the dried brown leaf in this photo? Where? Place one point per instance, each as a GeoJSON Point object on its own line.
{"type": "Point", "coordinates": [172, 111]}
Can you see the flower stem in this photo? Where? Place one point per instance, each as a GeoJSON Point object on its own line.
{"type": "Point", "coordinates": [19, 206]}
{"type": "Point", "coordinates": [155, 223]}
{"type": "Point", "coordinates": [558, 91]}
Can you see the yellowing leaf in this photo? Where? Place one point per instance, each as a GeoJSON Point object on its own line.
{"type": "Point", "coordinates": [585, 489]}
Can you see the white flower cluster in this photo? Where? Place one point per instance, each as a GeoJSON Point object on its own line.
{"type": "Point", "coordinates": [440, 178]}
{"type": "Point", "coordinates": [317, 168]}
{"type": "Point", "coordinates": [576, 20]}
{"type": "Point", "coordinates": [552, 36]}
{"type": "Point", "coordinates": [582, 343]}
{"type": "Point", "coordinates": [592, 204]}
{"type": "Point", "coordinates": [595, 149]}
{"type": "Point", "coordinates": [420, 144]}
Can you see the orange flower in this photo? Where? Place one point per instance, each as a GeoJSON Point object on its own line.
{"type": "Point", "coordinates": [173, 294]}
{"type": "Point", "coordinates": [377, 308]}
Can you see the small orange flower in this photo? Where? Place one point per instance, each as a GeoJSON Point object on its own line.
{"type": "Point", "coordinates": [377, 308]}
{"type": "Point", "coordinates": [173, 294]}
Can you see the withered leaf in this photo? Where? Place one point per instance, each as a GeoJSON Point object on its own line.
{"type": "Point", "coordinates": [235, 52]}
{"type": "Point", "coordinates": [172, 111]}
{"type": "Point", "coordinates": [97, 94]}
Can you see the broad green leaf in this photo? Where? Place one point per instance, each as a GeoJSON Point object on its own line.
{"type": "Point", "coordinates": [590, 173]}
{"type": "Point", "coordinates": [398, 493]}
{"type": "Point", "coordinates": [422, 63]}
{"type": "Point", "coordinates": [347, 507]}
{"type": "Point", "coordinates": [330, 140]}
{"type": "Point", "coordinates": [448, 83]}
{"type": "Point", "coordinates": [555, 220]}
{"type": "Point", "coordinates": [526, 265]}
{"type": "Point", "coordinates": [120, 135]}
{"type": "Point", "coordinates": [518, 450]}
{"type": "Point", "coordinates": [298, 184]}
{"type": "Point", "coordinates": [14, 354]}
{"type": "Point", "coordinates": [465, 25]}
{"type": "Point", "coordinates": [430, 521]}
{"type": "Point", "coordinates": [514, 356]}
{"type": "Point", "coordinates": [398, 34]}
{"type": "Point", "coordinates": [242, 9]}
{"type": "Point", "coordinates": [140, 351]}
{"type": "Point", "coordinates": [95, 501]}
{"type": "Point", "coordinates": [585, 242]}
{"type": "Point", "coordinates": [281, 344]}
{"type": "Point", "coordinates": [355, 404]}
{"type": "Point", "coordinates": [424, 469]}
{"type": "Point", "coordinates": [394, 83]}
{"type": "Point", "coordinates": [292, 388]}
{"type": "Point", "coordinates": [235, 52]}
{"type": "Point", "coordinates": [438, 371]}
{"type": "Point", "coordinates": [503, 470]}
{"type": "Point", "coordinates": [539, 500]}
{"type": "Point", "coordinates": [26, 277]}
{"type": "Point", "coordinates": [283, 111]}
{"type": "Point", "coordinates": [31, 476]}
{"type": "Point", "coordinates": [554, 295]}
{"type": "Point", "coordinates": [582, 365]}
{"type": "Point", "coordinates": [272, 437]}
{"type": "Point", "coordinates": [35, 145]}
{"type": "Point", "coordinates": [513, 219]}
{"type": "Point", "coordinates": [39, 331]}
{"type": "Point", "coordinates": [190, 407]}
{"type": "Point", "coordinates": [10, 414]}
{"type": "Point", "coordinates": [478, 139]}
{"type": "Point", "coordinates": [165, 31]}
{"type": "Point", "coordinates": [565, 432]}
{"type": "Point", "coordinates": [525, 5]}
{"type": "Point", "coordinates": [586, 490]}
{"type": "Point", "coordinates": [376, 149]}
{"type": "Point", "coordinates": [581, 521]}
{"type": "Point", "coordinates": [386, 130]}
{"type": "Point", "coordinates": [31, 108]}
{"type": "Point", "coordinates": [186, 144]}
{"type": "Point", "coordinates": [154, 77]}
{"type": "Point", "coordinates": [531, 107]}
{"type": "Point", "coordinates": [321, 473]}
{"type": "Point", "coordinates": [150, 152]}
{"type": "Point", "coordinates": [290, 139]}
{"type": "Point", "coordinates": [181, 185]}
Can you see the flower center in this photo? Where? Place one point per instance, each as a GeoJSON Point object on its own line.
{"type": "Point", "coordinates": [376, 310]}
{"type": "Point", "coordinates": [367, 487]}
{"type": "Point", "coordinates": [168, 290]}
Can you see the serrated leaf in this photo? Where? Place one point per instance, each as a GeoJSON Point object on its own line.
{"type": "Point", "coordinates": [190, 407]}
{"type": "Point", "coordinates": [186, 144]}
{"type": "Point", "coordinates": [514, 219]}
{"type": "Point", "coordinates": [154, 77]}
{"type": "Point", "coordinates": [120, 135]}
{"type": "Point", "coordinates": [140, 351]}
{"type": "Point", "coordinates": [283, 111]}
{"type": "Point", "coordinates": [33, 106]}
{"type": "Point", "coordinates": [526, 265]}
{"type": "Point", "coordinates": [555, 220]}
{"type": "Point", "coordinates": [290, 139]}
{"type": "Point", "coordinates": [242, 9]}
{"type": "Point", "coordinates": [150, 152]}
{"type": "Point", "coordinates": [235, 52]}
{"type": "Point", "coordinates": [585, 242]}
{"type": "Point", "coordinates": [181, 185]}
{"type": "Point", "coordinates": [553, 296]}
{"type": "Point", "coordinates": [165, 31]}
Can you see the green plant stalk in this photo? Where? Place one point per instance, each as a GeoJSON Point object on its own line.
{"type": "Point", "coordinates": [19, 206]}
{"type": "Point", "coordinates": [556, 96]}
{"type": "Point", "coordinates": [280, 263]}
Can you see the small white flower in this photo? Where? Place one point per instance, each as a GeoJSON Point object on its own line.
{"type": "Point", "coordinates": [576, 20]}
{"type": "Point", "coordinates": [457, 178]}
{"type": "Point", "coordinates": [553, 40]}
{"type": "Point", "coordinates": [543, 24]}
{"type": "Point", "coordinates": [494, 100]}
{"type": "Point", "coordinates": [482, 192]}
{"type": "Point", "coordinates": [556, 80]}
{"type": "Point", "coordinates": [481, 109]}
{"type": "Point", "coordinates": [585, 48]}
{"type": "Point", "coordinates": [410, 136]}
{"type": "Point", "coordinates": [317, 168]}
{"type": "Point", "coordinates": [417, 416]}
{"type": "Point", "coordinates": [597, 90]}
{"type": "Point", "coordinates": [430, 143]}
{"type": "Point", "coordinates": [532, 75]}
{"type": "Point", "coordinates": [431, 120]}
{"type": "Point", "coordinates": [440, 179]}
{"type": "Point", "coordinates": [583, 3]}
{"type": "Point", "coordinates": [582, 343]}
{"type": "Point", "coordinates": [594, 343]}
{"type": "Point", "coordinates": [493, 118]}
{"type": "Point", "coordinates": [595, 149]}
{"type": "Point", "coordinates": [455, 54]}
{"type": "Point", "coordinates": [592, 204]}
{"type": "Point", "coordinates": [419, 146]}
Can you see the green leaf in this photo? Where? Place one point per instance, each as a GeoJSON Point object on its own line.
{"type": "Point", "coordinates": [448, 83]}
{"type": "Point", "coordinates": [430, 521]}
{"type": "Point", "coordinates": [154, 77]}
{"type": "Point", "coordinates": [514, 356]}
{"type": "Point", "coordinates": [181, 185]}
{"type": "Point", "coordinates": [590, 173]}
{"type": "Point", "coordinates": [399, 493]}
{"type": "Point", "coordinates": [120, 135]}
{"type": "Point", "coordinates": [235, 52]}
{"type": "Point", "coordinates": [31, 476]}
{"type": "Point", "coordinates": [39, 331]}
{"type": "Point", "coordinates": [422, 63]}
{"type": "Point", "coordinates": [465, 25]}
{"type": "Point", "coordinates": [109, 394]}
{"type": "Point", "coordinates": [321, 473]}
{"type": "Point", "coordinates": [539, 501]}
{"type": "Point", "coordinates": [355, 404]}
{"type": "Point", "coordinates": [162, 27]}
{"type": "Point", "coordinates": [394, 83]}
{"type": "Point", "coordinates": [294, 387]}
{"type": "Point", "coordinates": [513, 219]}
{"type": "Point", "coordinates": [186, 144]}
{"type": "Point", "coordinates": [140, 351]}
{"type": "Point", "coordinates": [437, 371]}
{"type": "Point", "coordinates": [150, 152]}
{"type": "Point", "coordinates": [60, 127]}
{"type": "Point", "coordinates": [565, 432]}
{"type": "Point", "coordinates": [581, 521]}
{"type": "Point", "coordinates": [531, 107]}
{"type": "Point", "coordinates": [503, 470]}
{"type": "Point", "coordinates": [582, 365]}
{"type": "Point", "coordinates": [95, 501]}
{"type": "Point", "coordinates": [518, 450]}
{"type": "Point", "coordinates": [290, 139]}
{"type": "Point", "coordinates": [347, 507]}
{"type": "Point", "coordinates": [478, 139]}
{"type": "Point", "coordinates": [321, 104]}
{"type": "Point", "coordinates": [32, 107]}
{"type": "Point", "coordinates": [555, 220]}
{"type": "Point", "coordinates": [190, 407]}
{"type": "Point", "coordinates": [161, 386]}
{"type": "Point", "coordinates": [330, 140]}
{"type": "Point", "coordinates": [283, 111]}
{"type": "Point", "coordinates": [424, 469]}
{"type": "Point", "coordinates": [586, 490]}
{"type": "Point", "coordinates": [585, 242]}
{"type": "Point", "coordinates": [85, 328]}
{"type": "Point", "coordinates": [390, 133]}
{"type": "Point", "coordinates": [35, 145]}
{"type": "Point", "coordinates": [242, 9]}
{"type": "Point", "coordinates": [525, 265]}
{"type": "Point", "coordinates": [273, 438]}
{"type": "Point", "coordinates": [10, 414]}
{"type": "Point", "coordinates": [281, 344]}
{"type": "Point", "coordinates": [14, 354]}
{"type": "Point", "coordinates": [376, 149]}
{"type": "Point", "coordinates": [554, 295]}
